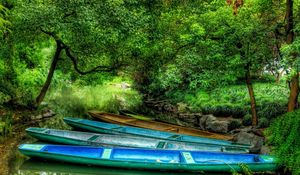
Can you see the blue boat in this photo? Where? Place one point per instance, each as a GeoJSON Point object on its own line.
{"type": "Point", "coordinates": [109, 128]}
{"type": "Point", "coordinates": [92, 139]}
{"type": "Point", "coordinates": [136, 158]}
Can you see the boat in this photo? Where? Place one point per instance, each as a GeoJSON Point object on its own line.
{"type": "Point", "coordinates": [130, 121]}
{"type": "Point", "coordinates": [109, 128]}
{"type": "Point", "coordinates": [86, 138]}
{"type": "Point", "coordinates": [137, 158]}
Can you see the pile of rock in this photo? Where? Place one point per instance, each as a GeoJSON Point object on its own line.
{"type": "Point", "coordinates": [210, 122]}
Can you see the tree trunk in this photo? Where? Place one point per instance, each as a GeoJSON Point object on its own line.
{"type": "Point", "coordinates": [45, 88]}
{"type": "Point", "coordinates": [294, 92]}
{"type": "Point", "coordinates": [294, 83]}
{"type": "Point", "coordinates": [251, 95]}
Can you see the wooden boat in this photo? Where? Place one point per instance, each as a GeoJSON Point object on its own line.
{"type": "Point", "coordinates": [136, 158]}
{"type": "Point", "coordinates": [108, 128]}
{"type": "Point", "coordinates": [85, 138]}
{"type": "Point", "coordinates": [129, 121]}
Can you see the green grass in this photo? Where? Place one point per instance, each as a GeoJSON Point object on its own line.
{"type": "Point", "coordinates": [74, 100]}
{"type": "Point", "coordinates": [234, 100]}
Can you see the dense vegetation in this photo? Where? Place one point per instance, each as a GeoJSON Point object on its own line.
{"type": "Point", "coordinates": [284, 136]}
{"type": "Point", "coordinates": [235, 58]}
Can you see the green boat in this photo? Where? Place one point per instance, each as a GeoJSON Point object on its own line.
{"type": "Point", "coordinates": [85, 138]}
{"type": "Point", "coordinates": [108, 128]}
{"type": "Point", "coordinates": [151, 159]}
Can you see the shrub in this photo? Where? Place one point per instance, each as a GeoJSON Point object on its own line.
{"type": "Point", "coordinates": [263, 122]}
{"type": "Point", "coordinates": [234, 124]}
{"type": "Point", "coordinates": [283, 135]}
{"type": "Point", "coordinates": [247, 120]}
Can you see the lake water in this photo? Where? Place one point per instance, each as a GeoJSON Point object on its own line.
{"type": "Point", "coordinates": [40, 167]}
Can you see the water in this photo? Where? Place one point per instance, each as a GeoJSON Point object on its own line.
{"type": "Point", "coordinates": [40, 167]}
{"type": "Point", "coordinates": [22, 165]}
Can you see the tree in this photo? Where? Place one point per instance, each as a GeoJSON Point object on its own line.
{"type": "Point", "coordinates": [294, 82]}
{"type": "Point", "coordinates": [91, 35]}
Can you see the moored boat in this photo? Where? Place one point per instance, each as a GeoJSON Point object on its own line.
{"type": "Point", "coordinates": [137, 158]}
{"type": "Point", "coordinates": [130, 121]}
{"type": "Point", "coordinates": [102, 127]}
{"type": "Point", "coordinates": [86, 138]}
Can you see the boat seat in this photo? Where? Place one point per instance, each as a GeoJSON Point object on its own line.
{"type": "Point", "coordinates": [94, 137]}
{"type": "Point", "coordinates": [161, 145]}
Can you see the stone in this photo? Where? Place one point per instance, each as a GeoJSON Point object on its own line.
{"type": "Point", "coordinates": [217, 126]}
{"type": "Point", "coordinates": [265, 150]}
{"type": "Point", "coordinates": [255, 141]}
{"type": "Point", "coordinates": [191, 118]}
{"type": "Point", "coordinates": [206, 119]}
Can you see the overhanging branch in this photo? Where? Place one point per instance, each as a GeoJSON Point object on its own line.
{"type": "Point", "coordinates": [100, 68]}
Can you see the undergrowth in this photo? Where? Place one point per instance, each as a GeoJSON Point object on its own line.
{"type": "Point", "coordinates": [74, 100]}
{"type": "Point", "coordinates": [234, 100]}
{"type": "Point", "coordinates": [283, 136]}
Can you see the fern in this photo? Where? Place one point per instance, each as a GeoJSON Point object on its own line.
{"type": "Point", "coordinates": [283, 136]}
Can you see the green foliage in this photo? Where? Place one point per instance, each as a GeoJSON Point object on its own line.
{"type": "Point", "coordinates": [283, 136]}
{"type": "Point", "coordinates": [263, 122]}
{"type": "Point", "coordinates": [234, 100]}
{"type": "Point", "coordinates": [234, 124]}
{"type": "Point", "coordinates": [112, 96]}
{"type": "Point", "coordinates": [4, 23]}
{"type": "Point", "coordinates": [247, 120]}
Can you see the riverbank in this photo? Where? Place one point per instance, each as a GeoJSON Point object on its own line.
{"type": "Point", "coordinates": [20, 120]}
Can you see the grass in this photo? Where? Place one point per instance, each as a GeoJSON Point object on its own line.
{"type": "Point", "coordinates": [112, 96]}
{"type": "Point", "coordinates": [234, 100]}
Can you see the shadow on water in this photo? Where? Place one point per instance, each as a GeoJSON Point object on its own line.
{"type": "Point", "coordinates": [35, 166]}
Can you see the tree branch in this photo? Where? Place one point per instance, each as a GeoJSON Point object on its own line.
{"type": "Point", "coordinates": [100, 68]}
{"type": "Point", "coordinates": [73, 58]}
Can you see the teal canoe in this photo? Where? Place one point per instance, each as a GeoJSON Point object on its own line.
{"type": "Point", "coordinates": [108, 128]}
{"type": "Point", "coordinates": [85, 138]}
{"type": "Point", "coordinates": [136, 158]}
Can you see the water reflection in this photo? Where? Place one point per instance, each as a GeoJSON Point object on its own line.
{"type": "Point", "coordinates": [40, 167]}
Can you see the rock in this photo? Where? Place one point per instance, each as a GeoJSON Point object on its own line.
{"type": "Point", "coordinates": [191, 118]}
{"type": "Point", "coordinates": [255, 141]}
{"type": "Point", "coordinates": [210, 119]}
{"type": "Point", "coordinates": [217, 126]}
{"type": "Point", "coordinates": [265, 150]}
{"type": "Point", "coordinates": [202, 121]}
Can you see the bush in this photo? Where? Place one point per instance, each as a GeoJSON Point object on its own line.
{"type": "Point", "coordinates": [283, 136]}
{"type": "Point", "coordinates": [263, 122]}
{"type": "Point", "coordinates": [247, 120]}
{"type": "Point", "coordinates": [234, 124]}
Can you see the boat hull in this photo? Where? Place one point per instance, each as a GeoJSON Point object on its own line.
{"type": "Point", "coordinates": [150, 159]}
{"type": "Point", "coordinates": [109, 128]}
{"type": "Point", "coordinates": [130, 121]}
{"type": "Point", "coordinates": [92, 139]}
